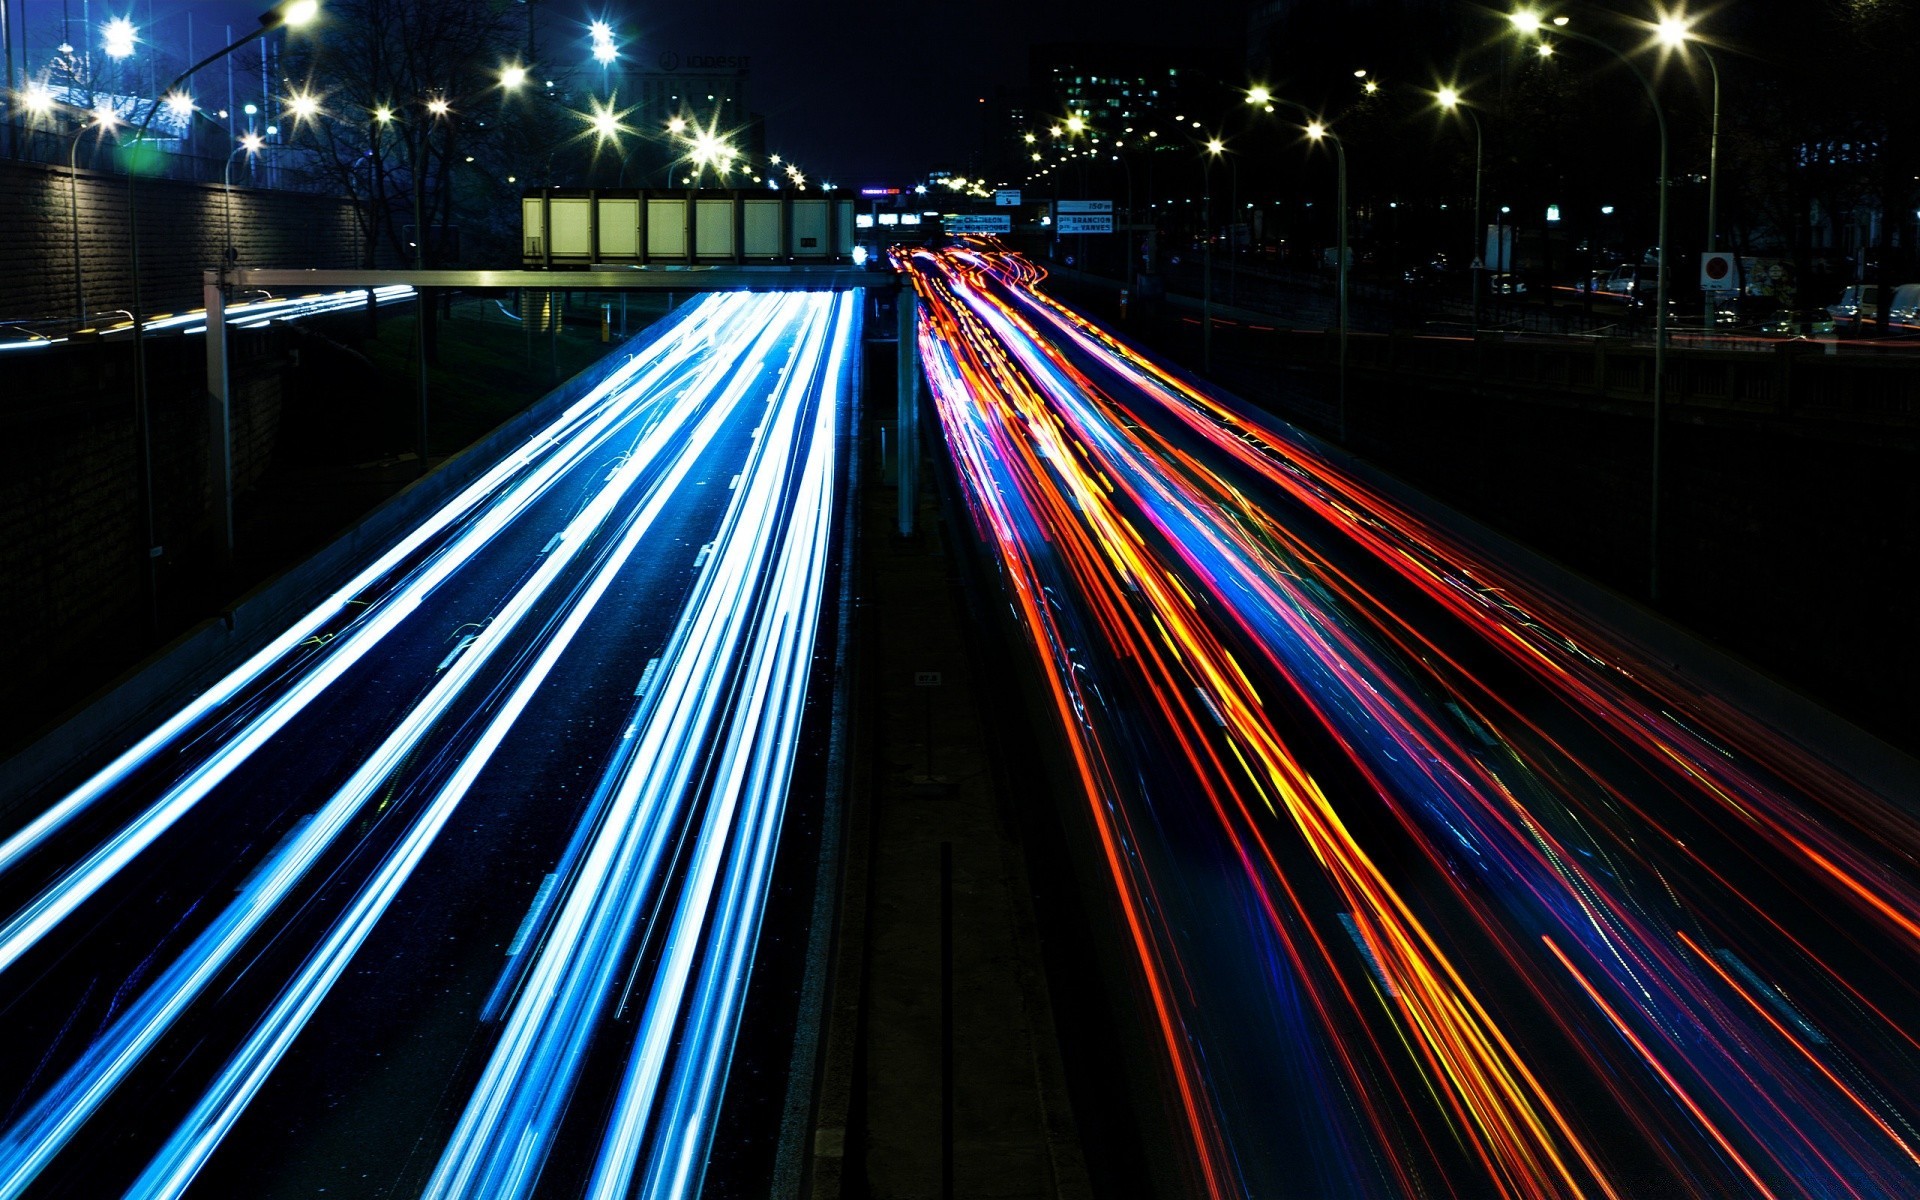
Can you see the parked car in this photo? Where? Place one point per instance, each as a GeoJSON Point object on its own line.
{"type": "Point", "coordinates": [1797, 322]}
{"type": "Point", "coordinates": [1617, 282]}
{"type": "Point", "coordinates": [1861, 302]}
{"type": "Point", "coordinates": [1906, 305]}
{"type": "Point", "coordinates": [1857, 301]}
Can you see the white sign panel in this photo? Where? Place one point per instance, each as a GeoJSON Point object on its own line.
{"type": "Point", "coordinates": [1007, 198]}
{"type": "Point", "coordinates": [1716, 273]}
{"type": "Point", "coordinates": [1085, 223]}
{"type": "Point", "coordinates": [1063, 207]}
{"type": "Point", "coordinates": [979, 223]}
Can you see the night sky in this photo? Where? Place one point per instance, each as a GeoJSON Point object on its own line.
{"type": "Point", "coordinates": [857, 92]}
{"type": "Point", "coordinates": [874, 88]}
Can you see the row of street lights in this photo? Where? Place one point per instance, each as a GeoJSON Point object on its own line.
{"type": "Point", "coordinates": [1670, 31]}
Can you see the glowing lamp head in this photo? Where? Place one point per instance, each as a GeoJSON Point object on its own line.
{"type": "Point", "coordinates": [383, 114]}
{"type": "Point", "coordinates": [1673, 32]}
{"type": "Point", "coordinates": [303, 105]}
{"type": "Point", "coordinates": [1316, 130]}
{"type": "Point", "coordinates": [1448, 98]}
{"type": "Point", "coordinates": [1077, 123]}
{"type": "Point", "coordinates": [179, 104]}
{"type": "Point", "coordinates": [1259, 97]}
{"type": "Point", "coordinates": [104, 117]}
{"type": "Point", "coordinates": [117, 37]}
{"type": "Point", "coordinates": [437, 106]}
{"type": "Point", "coordinates": [605, 52]}
{"type": "Point", "coordinates": [299, 12]}
{"type": "Point", "coordinates": [676, 124]}
{"type": "Point", "coordinates": [1215, 146]}
{"type": "Point", "coordinates": [38, 99]}
{"type": "Point", "coordinates": [605, 124]}
{"type": "Point", "coordinates": [1527, 21]}
{"type": "Point", "coordinates": [513, 77]}
{"type": "Point", "coordinates": [252, 142]}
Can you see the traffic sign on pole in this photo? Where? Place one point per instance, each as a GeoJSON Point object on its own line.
{"type": "Point", "coordinates": [1085, 223]}
{"type": "Point", "coordinates": [978, 223]}
{"type": "Point", "coordinates": [1716, 272]}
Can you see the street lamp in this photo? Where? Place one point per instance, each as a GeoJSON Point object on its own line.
{"type": "Point", "coordinates": [1450, 99]}
{"type": "Point", "coordinates": [104, 120]}
{"type": "Point", "coordinates": [1215, 148]}
{"type": "Point", "coordinates": [291, 13]}
{"type": "Point", "coordinates": [1528, 22]}
{"type": "Point", "coordinates": [1317, 131]}
{"type": "Point", "coordinates": [1676, 33]}
{"type": "Point", "coordinates": [250, 144]}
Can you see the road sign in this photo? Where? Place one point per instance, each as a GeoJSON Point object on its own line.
{"type": "Point", "coordinates": [1085, 223]}
{"type": "Point", "coordinates": [1007, 198]}
{"type": "Point", "coordinates": [1716, 273]}
{"type": "Point", "coordinates": [1064, 207]}
{"type": "Point", "coordinates": [978, 223]}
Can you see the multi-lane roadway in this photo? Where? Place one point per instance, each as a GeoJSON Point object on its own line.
{"type": "Point", "coordinates": [1433, 882]}
{"type": "Point", "coordinates": [455, 887]}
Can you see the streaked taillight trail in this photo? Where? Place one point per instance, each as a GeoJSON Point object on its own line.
{"type": "Point", "coordinates": [1435, 884]}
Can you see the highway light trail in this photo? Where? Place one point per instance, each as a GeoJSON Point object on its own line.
{"type": "Point", "coordinates": [1436, 886]}
{"type": "Point", "coordinates": [724, 698]}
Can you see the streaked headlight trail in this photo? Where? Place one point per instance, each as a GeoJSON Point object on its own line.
{"type": "Point", "coordinates": [679, 839]}
{"type": "Point", "coordinates": [1436, 885]}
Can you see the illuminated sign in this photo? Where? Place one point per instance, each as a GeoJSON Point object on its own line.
{"type": "Point", "coordinates": [879, 191]}
{"type": "Point", "coordinates": [863, 220]}
{"type": "Point", "coordinates": [979, 223]}
{"type": "Point", "coordinates": [1085, 223]}
{"type": "Point", "coordinates": [889, 218]}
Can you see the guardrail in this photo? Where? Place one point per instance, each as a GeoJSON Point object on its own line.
{"type": "Point", "coordinates": [1795, 380]}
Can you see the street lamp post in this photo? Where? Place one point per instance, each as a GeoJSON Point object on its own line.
{"type": "Point", "coordinates": [1317, 131]}
{"type": "Point", "coordinates": [1214, 149]}
{"type": "Point", "coordinates": [1529, 22]}
{"type": "Point", "coordinates": [1451, 101]}
{"type": "Point", "coordinates": [104, 118]}
{"type": "Point", "coordinates": [250, 144]}
{"type": "Point", "coordinates": [289, 13]}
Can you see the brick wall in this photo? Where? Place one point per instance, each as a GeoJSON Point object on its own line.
{"type": "Point", "coordinates": [182, 232]}
{"type": "Point", "coordinates": [70, 502]}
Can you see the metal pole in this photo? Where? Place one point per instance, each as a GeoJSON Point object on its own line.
{"type": "Point", "coordinates": [1713, 181]}
{"type": "Point", "coordinates": [1660, 313]}
{"type": "Point", "coordinates": [1474, 245]}
{"type": "Point", "coordinates": [1340, 158]}
{"type": "Point", "coordinates": [141, 418]}
{"type": "Point", "coordinates": [1233, 239]}
{"type": "Point", "coordinates": [907, 432]}
{"type": "Point", "coordinates": [73, 211]}
{"type": "Point", "coordinates": [219, 391]}
{"type": "Point", "coordinates": [1206, 268]}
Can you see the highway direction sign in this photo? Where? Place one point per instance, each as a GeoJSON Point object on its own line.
{"type": "Point", "coordinates": [1085, 223]}
{"type": "Point", "coordinates": [979, 223]}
